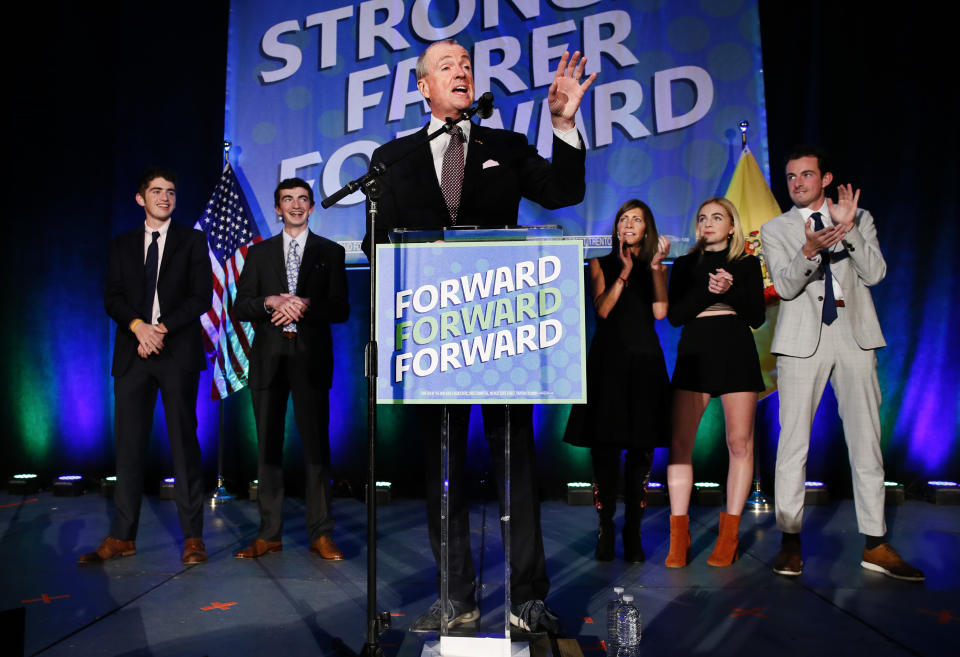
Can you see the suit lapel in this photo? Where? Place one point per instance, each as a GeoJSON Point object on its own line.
{"type": "Point", "coordinates": [275, 257]}
{"type": "Point", "coordinates": [311, 253]}
{"type": "Point", "coordinates": [477, 154]}
{"type": "Point", "coordinates": [174, 239]}
{"type": "Point", "coordinates": [426, 175]}
{"type": "Point", "coordinates": [134, 250]}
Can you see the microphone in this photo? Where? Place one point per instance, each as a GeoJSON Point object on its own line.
{"type": "Point", "coordinates": [485, 105]}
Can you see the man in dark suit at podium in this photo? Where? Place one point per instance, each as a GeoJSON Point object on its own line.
{"type": "Point", "coordinates": [476, 176]}
{"type": "Point", "coordinates": [293, 286]}
{"type": "Point", "coordinates": [159, 283]}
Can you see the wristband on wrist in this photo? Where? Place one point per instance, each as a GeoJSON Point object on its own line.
{"type": "Point", "coordinates": [133, 324]}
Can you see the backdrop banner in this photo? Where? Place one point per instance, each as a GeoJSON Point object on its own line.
{"type": "Point", "coordinates": [313, 87]}
{"type": "Point", "coordinates": [490, 323]}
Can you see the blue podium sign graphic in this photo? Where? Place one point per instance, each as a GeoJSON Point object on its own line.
{"type": "Point", "coordinates": [314, 87]}
{"type": "Point", "coordinates": [490, 323]}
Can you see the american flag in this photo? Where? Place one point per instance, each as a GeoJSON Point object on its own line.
{"type": "Point", "coordinates": [230, 230]}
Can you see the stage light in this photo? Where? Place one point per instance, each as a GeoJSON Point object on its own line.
{"type": "Point", "coordinates": [69, 485]}
{"type": "Point", "coordinates": [579, 493]}
{"type": "Point", "coordinates": [23, 484]}
{"type": "Point", "coordinates": [708, 493]}
{"type": "Point", "coordinates": [656, 494]}
{"type": "Point", "coordinates": [943, 492]}
{"type": "Point", "coordinates": [816, 493]}
{"type": "Point", "coordinates": [107, 485]}
{"type": "Point", "coordinates": [383, 492]}
{"type": "Point", "coordinates": [166, 488]}
{"type": "Point", "coordinates": [894, 493]}
{"type": "Point", "coordinates": [253, 490]}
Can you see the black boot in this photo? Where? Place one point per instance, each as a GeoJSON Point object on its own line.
{"type": "Point", "coordinates": [607, 531]}
{"type": "Point", "coordinates": [637, 475]}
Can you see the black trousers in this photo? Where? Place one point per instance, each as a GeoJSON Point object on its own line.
{"type": "Point", "coordinates": [528, 579]}
{"type": "Point", "coordinates": [311, 409]}
{"type": "Point", "coordinates": [135, 393]}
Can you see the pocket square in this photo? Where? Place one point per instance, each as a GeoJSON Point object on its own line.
{"type": "Point", "coordinates": [490, 163]}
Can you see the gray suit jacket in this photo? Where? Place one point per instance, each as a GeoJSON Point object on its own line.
{"type": "Point", "coordinates": [856, 263]}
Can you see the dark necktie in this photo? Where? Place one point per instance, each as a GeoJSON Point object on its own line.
{"type": "Point", "coordinates": [150, 278]}
{"type": "Point", "coordinates": [829, 302]}
{"type": "Point", "coordinates": [451, 175]}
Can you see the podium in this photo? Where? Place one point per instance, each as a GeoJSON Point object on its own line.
{"type": "Point", "coordinates": [479, 316]}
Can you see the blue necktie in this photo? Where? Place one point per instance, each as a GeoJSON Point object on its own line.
{"type": "Point", "coordinates": [829, 302]}
{"type": "Point", "coordinates": [150, 278]}
{"type": "Point", "coordinates": [293, 270]}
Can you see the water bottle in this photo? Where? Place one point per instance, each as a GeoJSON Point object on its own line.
{"type": "Point", "coordinates": [613, 605]}
{"type": "Point", "coordinates": [628, 628]}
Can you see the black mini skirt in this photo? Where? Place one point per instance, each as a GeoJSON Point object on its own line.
{"type": "Point", "coordinates": [717, 355]}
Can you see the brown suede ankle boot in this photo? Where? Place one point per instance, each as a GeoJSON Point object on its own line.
{"type": "Point", "coordinates": [725, 551]}
{"type": "Point", "coordinates": [679, 542]}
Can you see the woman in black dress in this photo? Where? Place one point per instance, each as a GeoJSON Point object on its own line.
{"type": "Point", "coordinates": [716, 294]}
{"type": "Point", "coordinates": [627, 384]}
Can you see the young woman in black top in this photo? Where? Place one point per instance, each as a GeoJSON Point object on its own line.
{"type": "Point", "coordinates": [627, 385]}
{"type": "Point", "coordinates": [716, 294]}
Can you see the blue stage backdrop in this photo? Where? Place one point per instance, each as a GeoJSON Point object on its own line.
{"type": "Point", "coordinates": [314, 87]}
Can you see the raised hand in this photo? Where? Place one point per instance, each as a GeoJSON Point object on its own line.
{"type": "Point", "coordinates": [663, 250]}
{"type": "Point", "coordinates": [566, 92]}
{"type": "Point", "coordinates": [626, 261]}
{"type": "Point", "coordinates": [844, 210]}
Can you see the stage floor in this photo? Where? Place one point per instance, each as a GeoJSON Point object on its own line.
{"type": "Point", "coordinates": [293, 603]}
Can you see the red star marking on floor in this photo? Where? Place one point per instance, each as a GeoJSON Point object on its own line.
{"type": "Point", "coordinates": [396, 613]}
{"type": "Point", "coordinates": [46, 598]}
{"type": "Point", "coordinates": [223, 606]}
{"type": "Point", "coordinates": [754, 611]}
{"type": "Point", "coordinates": [4, 506]}
{"type": "Point", "coordinates": [587, 619]}
{"type": "Point", "coordinates": [943, 616]}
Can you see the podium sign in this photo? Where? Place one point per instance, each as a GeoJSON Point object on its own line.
{"type": "Point", "coordinates": [481, 323]}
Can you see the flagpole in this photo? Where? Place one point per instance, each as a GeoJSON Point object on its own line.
{"type": "Point", "coordinates": [757, 500]}
{"type": "Point", "coordinates": [220, 494]}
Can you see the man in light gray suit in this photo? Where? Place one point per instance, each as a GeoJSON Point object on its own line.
{"type": "Point", "coordinates": [823, 258]}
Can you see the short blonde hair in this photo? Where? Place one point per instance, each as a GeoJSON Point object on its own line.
{"type": "Point", "coordinates": [736, 239]}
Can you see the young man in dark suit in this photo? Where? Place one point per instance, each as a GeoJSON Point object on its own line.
{"type": "Point", "coordinates": [159, 283]}
{"type": "Point", "coordinates": [293, 286]}
{"type": "Point", "coordinates": [477, 176]}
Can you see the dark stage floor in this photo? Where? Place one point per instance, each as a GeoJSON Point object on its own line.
{"type": "Point", "coordinates": [295, 604]}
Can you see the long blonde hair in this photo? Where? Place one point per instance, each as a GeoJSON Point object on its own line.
{"type": "Point", "coordinates": [736, 239]}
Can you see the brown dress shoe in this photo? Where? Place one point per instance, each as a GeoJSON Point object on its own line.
{"type": "Point", "coordinates": [259, 548]}
{"type": "Point", "coordinates": [194, 551]}
{"type": "Point", "coordinates": [884, 559]}
{"type": "Point", "coordinates": [788, 561]}
{"type": "Point", "coordinates": [326, 548]}
{"type": "Point", "coordinates": [111, 548]}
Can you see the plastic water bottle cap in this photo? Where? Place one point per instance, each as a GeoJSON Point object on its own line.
{"type": "Point", "coordinates": [627, 597]}
{"type": "Point", "coordinates": [618, 589]}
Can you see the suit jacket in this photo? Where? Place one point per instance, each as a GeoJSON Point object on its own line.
{"type": "Point", "coordinates": [322, 279]}
{"type": "Point", "coordinates": [856, 263]}
{"type": "Point", "coordinates": [184, 288]}
{"type": "Point", "coordinates": [411, 196]}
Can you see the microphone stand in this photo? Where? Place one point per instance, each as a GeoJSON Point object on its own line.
{"type": "Point", "coordinates": [369, 184]}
